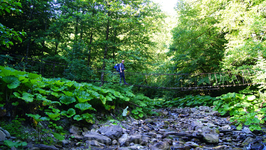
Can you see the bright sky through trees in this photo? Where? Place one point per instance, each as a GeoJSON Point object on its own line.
{"type": "Point", "coordinates": [167, 5]}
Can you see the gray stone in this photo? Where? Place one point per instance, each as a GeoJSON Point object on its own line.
{"type": "Point", "coordinates": [124, 140]}
{"type": "Point", "coordinates": [211, 138]}
{"type": "Point", "coordinates": [97, 137]}
{"type": "Point", "coordinates": [136, 138]}
{"type": "Point", "coordinates": [46, 147]}
{"type": "Point", "coordinates": [113, 132]}
{"type": "Point", "coordinates": [94, 143]}
{"type": "Point", "coordinates": [75, 136]}
{"type": "Point", "coordinates": [2, 135]}
{"type": "Point", "coordinates": [160, 146]}
{"type": "Point", "coordinates": [247, 141]}
{"type": "Point", "coordinates": [246, 130]}
{"type": "Point", "coordinates": [74, 130]}
{"type": "Point", "coordinates": [7, 133]}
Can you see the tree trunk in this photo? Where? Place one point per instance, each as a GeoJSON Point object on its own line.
{"type": "Point", "coordinates": [105, 50]}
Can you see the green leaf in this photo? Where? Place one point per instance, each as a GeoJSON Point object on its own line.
{"type": "Point", "coordinates": [239, 127]}
{"type": "Point", "coordinates": [37, 117]}
{"type": "Point", "coordinates": [33, 76]}
{"type": "Point", "coordinates": [250, 97]}
{"type": "Point", "coordinates": [69, 113]}
{"type": "Point", "coordinates": [27, 97]}
{"type": "Point", "coordinates": [67, 100]}
{"type": "Point", "coordinates": [68, 93]}
{"type": "Point", "coordinates": [58, 136]}
{"type": "Point", "coordinates": [84, 106]}
{"type": "Point", "coordinates": [77, 117]}
{"type": "Point", "coordinates": [15, 103]}
{"type": "Point", "coordinates": [12, 82]}
{"type": "Point", "coordinates": [83, 96]}
{"type": "Point", "coordinates": [53, 116]}
{"type": "Point", "coordinates": [88, 117]}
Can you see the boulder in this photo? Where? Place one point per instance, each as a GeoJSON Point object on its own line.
{"type": "Point", "coordinates": [2, 135]}
{"type": "Point", "coordinates": [98, 137]}
{"type": "Point", "coordinates": [211, 138]}
{"type": "Point", "coordinates": [113, 132]}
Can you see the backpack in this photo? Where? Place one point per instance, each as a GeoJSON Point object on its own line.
{"type": "Point", "coordinates": [117, 67]}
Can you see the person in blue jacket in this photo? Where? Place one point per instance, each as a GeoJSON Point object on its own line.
{"type": "Point", "coordinates": [122, 72]}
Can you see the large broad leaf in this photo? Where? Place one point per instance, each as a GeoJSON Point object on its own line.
{"type": "Point", "coordinates": [56, 88]}
{"type": "Point", "coordinates": [84, 106]}
{"type": "Point", "coordinates": [68, 93]}
{"type": "Point", "coordinates": [77, 117]}
{"type": "Point", "coordinates": [25, 96]}
{"type": "Point", "coordinates": [93, 93]}
{"type": "Point", "coordinates": [12, 82]}
{"type": "Point", "coordinates": [67, 100]}
{"type": "Point", "coordinates": [88, 117]}
{"type": "Point", "coordinates": [54, 116]}
{"type": "Point", "coordinates": [83, 96]}
{"type": "Point", "coordinates": [69, 83]}
{"type": "Point", "coordinates": [41, 97]}
{"type": "Point", "coordinates": [58, 136]}
{"type": "Point", "coordinates": [33, 75]}
{"type": "Point", "coordinates": [69, 113]}
{"type": "Point", "coordinates": [37, 117]}
{"type": "Point", "coordinates": [250, 97]}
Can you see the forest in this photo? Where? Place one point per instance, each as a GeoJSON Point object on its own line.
{"type": "Point", "coordinates": [57, 61]}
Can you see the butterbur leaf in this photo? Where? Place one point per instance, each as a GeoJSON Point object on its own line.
{"type": "Point", "coordinates": [84, 106]}
{"type": "Point", "coordinates": [33, 75]}
{"type": "Point", "coordinates": [250, 97]}
{"type": "Point", "coordinates": [83, 96]}
{"type": "Point", "coordinates": [53, 116]}
{"type": "Point", "coordinates": [69, 113]}
{"type": "Point", "coordinates": [67, 100]}
{"type": "Point", "coordinates": [68, 93]}
{"type": "Point", "coordinates": [88, 117]}
{"type": "Point", "coordinates": [15, 103]}
{"type": "Point", "coordinates": [59, 136]}
{"type": "Point", "coordinates": [77, 117]}
{"type": "Point", "coordinates": [37, 117]}
{"type": "Point", "coordinates": [27, 97]}
{"type": "Point", "coordinates": [239, 127]}
{"type": "Point", "coordinates": [12, 82]}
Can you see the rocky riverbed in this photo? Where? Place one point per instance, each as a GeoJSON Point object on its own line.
{"type": "Point", "coordinates": [198, 128]}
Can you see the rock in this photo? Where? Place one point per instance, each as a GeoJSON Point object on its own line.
{"type": "Point", "coordinates": [113, 131]}
{"type": "Point", "coordinates": [7, 133]}
{"type": "Point", "coordinates": [246, 130]}
{"type": "Point", "coordinates": [94, 143]}
{"type": "Point", "coordinates": [192, 144]}
{"type": "Point", "coordinates": [211, 138]}
{"type": "Point", "coordinates": [97, 137]}
{"type": "Point", "coordinates": [123, 148]}
{"type": "Point", "coordinates": [226, 127]}
{"type": "Point", "coordinates": [46, 147]}
{"type": "Point", "coordinates": [124, 140]}
{"type": "Point", "coordinates": [145, 140]}
{"type": "Point", "coordinates": [136, 138]}
{"type": "Point", "coordinates": [160, 146]}
{"type": "Point", "coordinates": [74, 130]}
{"type": "Point", "coordinates": [2, 135]}
{"type": "Point", "coordinates": [77, 137]}
{"type": "Point", "coordinates": [247, 141]}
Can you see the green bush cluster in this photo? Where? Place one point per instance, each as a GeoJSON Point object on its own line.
{"type": "Point", "coordinates": [190, 101]}
{"type": "Point", "coordinates": [44, 99]}
{"type": "Point", "coordinates": [244, 109]}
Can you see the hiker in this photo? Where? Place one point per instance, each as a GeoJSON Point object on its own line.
{"type": "Point", "coordinates": [121, 71]}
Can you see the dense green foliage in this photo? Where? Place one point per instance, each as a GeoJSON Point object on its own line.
{"type": "Point", "coordinates": [59, 44]}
